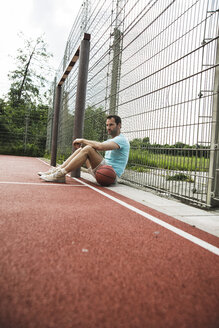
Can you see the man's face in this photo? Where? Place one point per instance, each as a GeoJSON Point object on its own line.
{"type": "Point", "coordinates": [112, 127]}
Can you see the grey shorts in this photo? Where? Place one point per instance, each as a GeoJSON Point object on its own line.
{"type": "Point", "coordinates": [93, 171]}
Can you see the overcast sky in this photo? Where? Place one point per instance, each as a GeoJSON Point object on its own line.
{"type": "Point", "coordinates": [53, 18]}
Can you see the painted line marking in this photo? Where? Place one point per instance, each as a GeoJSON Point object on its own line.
{"type": "Point", "coordinates": [43, 161]}
{"type": "Point", "coordinates": [40, 184]}
{"type": "Point", "coordinates": [168, 226]}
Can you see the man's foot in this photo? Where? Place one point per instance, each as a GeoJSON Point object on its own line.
{"type": "Point", "coordinates": [58, 176]}
{"type": "Point", "coordinates": [52, 170]}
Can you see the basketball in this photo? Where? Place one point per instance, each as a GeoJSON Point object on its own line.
{"type": "Point", "coordinates": [105, 175]}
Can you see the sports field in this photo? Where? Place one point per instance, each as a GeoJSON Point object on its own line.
{"type": "Point", "coordinates": [77, 255]}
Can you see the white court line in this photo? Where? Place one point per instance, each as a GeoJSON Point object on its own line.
{"type": "Point", "coordinates": [43, 161]}
{"type": "Point", "coordinates": [40, 184]}
{"type": "Point", "coordinates": [168, 226]}
{"type": "Point", "coordinates": [43, 183]}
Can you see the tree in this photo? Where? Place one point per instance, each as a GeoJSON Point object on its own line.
{"type": "Point", "coordinates": [23, 115]}
{"type": "Point", "coordinates": [136, 143]}
{"type": "Point", "coordinates": [28, 79]}
{"type": "Point", "coordinates": [95, 124]}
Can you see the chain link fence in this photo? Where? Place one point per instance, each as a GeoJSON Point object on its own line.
{"type": "Point", "coordinates": [155, 64]}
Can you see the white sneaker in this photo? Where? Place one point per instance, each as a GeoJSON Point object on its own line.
{"type": "Point", "coordinates": [57, 176]}
{"type": "Point", "coordinates": [52, 170]}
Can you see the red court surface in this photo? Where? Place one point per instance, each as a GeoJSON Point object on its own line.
{"type": "Point", "coordinates": [76, 255]}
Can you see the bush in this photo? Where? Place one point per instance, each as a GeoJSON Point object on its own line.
{"type": "Point", "coordinates": [19, 150]}
{"type": "Point", "coordinates": [180, 177]}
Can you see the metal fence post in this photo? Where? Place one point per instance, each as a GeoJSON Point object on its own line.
{"type": "Point", "coordinates": [115, 72]}
{"type": "Point", "coordinates": [81, 92]}
{"type": "Point", "coordinates": [55, 125]}
{"type": "Point", "coordinates": [50, 119]}
{"type": "Point", "coordinates": [213, 185]}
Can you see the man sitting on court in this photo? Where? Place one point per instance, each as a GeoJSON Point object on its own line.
{"type": "Point", "coordinates": [116, 154]}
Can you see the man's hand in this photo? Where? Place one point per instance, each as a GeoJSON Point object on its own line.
{"type": "Point", "coordinates": [77, 143]}
{"type": "Point", "coordinates": [102, 146]}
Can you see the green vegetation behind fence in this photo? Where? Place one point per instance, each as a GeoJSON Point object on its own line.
{"type": "Point", "coordinates": [142, 160]}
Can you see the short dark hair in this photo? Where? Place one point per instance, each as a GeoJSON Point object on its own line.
{"type": "Point", "coordinates": [116, 118]}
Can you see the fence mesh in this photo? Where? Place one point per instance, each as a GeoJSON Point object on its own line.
{"type": "Point", "coordinates": [153, 63]}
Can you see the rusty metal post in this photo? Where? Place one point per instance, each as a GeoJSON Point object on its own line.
{"type": "Point", "coordinates": [55, 125]}
{"type": "Point", "coordinates": [81, 92]}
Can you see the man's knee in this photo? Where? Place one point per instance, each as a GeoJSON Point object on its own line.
{"type": "Point", "coordinates": [88, 149]}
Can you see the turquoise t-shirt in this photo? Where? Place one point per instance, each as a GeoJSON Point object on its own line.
{"type": "Point", "coordinates": [118, 158]}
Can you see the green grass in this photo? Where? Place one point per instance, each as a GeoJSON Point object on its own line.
{"type": "Point", "coordinates": [146, 160]}
{"type": "Point", "coordinates": [138, 168]}
{"type": "Point", "coordinates": [143, 161]}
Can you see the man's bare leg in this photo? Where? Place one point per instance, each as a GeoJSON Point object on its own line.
{"type": "Point", "coordinates": [82, 156]}
{"type": "Point", "coordinates": [86, 153]}
{"type": "Point", "coordinates": [68, 160]}
{"type": "Point", "coordinates": [88, 163]}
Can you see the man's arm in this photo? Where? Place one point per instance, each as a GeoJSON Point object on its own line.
{"type": "Point", "coordinates": [109, 145]}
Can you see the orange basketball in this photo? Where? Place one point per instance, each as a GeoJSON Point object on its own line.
{"type": "Point", "coordinates": [105, 175]}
